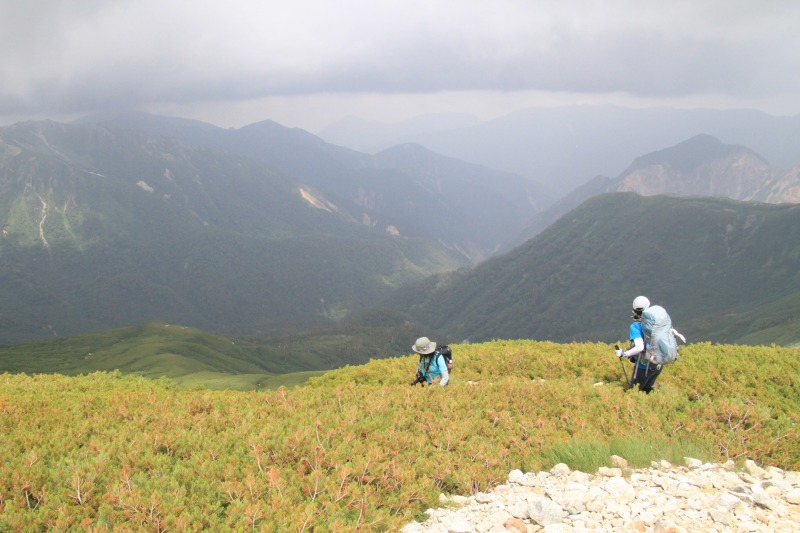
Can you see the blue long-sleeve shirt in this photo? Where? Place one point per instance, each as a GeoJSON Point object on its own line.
{"type": "Point", "coordinates": [437, 368]}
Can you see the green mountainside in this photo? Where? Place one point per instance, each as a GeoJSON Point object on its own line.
{"type": "Point", "coordinates": [107, 228]}
{"type": "Point", "coordinates": [196, 358]}
{"type": "Point", "coordinates": [407, 188]}
{"type": "Point", "coordinates": [727, 271]}
{"type": "Point", "coordinates": [188, 356]}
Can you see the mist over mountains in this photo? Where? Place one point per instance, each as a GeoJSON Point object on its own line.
{"type": "Point", "coordinates": [405, 189]}
{"type": "Point", "coordinates": [564, 147]}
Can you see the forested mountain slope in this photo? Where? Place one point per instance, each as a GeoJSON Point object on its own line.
{"type": "Point", "coordinates": [104, 228]}
{"type": "Point", "coordinates": [711, 262]}
{"type": "Point", "coordinates": [406, 189]}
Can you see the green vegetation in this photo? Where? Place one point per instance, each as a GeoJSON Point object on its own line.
{"type": "Point", "coordinates": [357, 448]}
{"type": "Point", "coordinates": [726, 271]}
{"type": "Point", "coordinates": [104, 229]}
{"type": "Point", "coordinates": [190, 357]}
{"type": "Point", "coordinates": [195, 358]}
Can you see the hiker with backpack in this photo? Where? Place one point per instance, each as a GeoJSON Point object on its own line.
{"type": "Point", "coordinates": [653, 343]}
{"type": "Point", "coordinates": [433, 364]}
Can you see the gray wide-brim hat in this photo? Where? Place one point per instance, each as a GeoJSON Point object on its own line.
{"type": "Point", "coordinates": [424, 346]}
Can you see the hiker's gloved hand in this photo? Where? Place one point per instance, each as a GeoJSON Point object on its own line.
{"type": "Point", "coordinates": [619, 352]}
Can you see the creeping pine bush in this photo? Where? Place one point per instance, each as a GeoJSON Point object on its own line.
{"type": "Point", "coordinates": [358, 448]}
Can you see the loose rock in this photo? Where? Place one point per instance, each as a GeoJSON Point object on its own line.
{"type": "Point", "coordinates": [661, 499]}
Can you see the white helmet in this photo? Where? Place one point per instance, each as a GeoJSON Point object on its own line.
{"type": "Point", "coordinates": [640, 303]}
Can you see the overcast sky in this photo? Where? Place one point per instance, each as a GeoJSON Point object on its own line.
{"type": "Point", "coordinates": [307, 63]}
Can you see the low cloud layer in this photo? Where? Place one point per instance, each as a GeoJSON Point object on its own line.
{"type": "Point", "coordinates": [61, 56]}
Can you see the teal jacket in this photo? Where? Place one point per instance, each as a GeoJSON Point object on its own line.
{"type": "Point", "coordinates": [436, 369]}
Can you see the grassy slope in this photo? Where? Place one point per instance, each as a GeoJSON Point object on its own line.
{"type": "Point", "coordinates": [195, 358]}
{"type": "Point", "coordinates": [358, 447]}
{"type": "Point", "coordinates": [190, 357]}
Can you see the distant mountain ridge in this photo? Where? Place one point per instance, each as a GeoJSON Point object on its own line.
{"type": "Point", "coordinates": [700, 166]}
{"type": "Point", "coordinates": [408, 190]}
{"type": "Point", "coordinates": [564, 147]}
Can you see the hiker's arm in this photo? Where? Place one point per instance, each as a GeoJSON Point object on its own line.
{"type": "Point", "coordinates": [677, 334]}
{"type": "Point", "coordinates": [445, 372]}
{"type": "Point", "coordinates": [638, 347]}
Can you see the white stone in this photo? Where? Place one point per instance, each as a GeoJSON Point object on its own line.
{"type": "Point", "coordinates": [792, 477]}
{"type": "Point", "coordinates": [515, 476]}
{"type": "Point", "coordinates": [648, 516]}
{"type": "Point", "coordinates": [459, 525]}
{"type": "Point", "coordinates": [676, 500]}
{"type": "Point", "coordinates": [619, 509]}
{"type": "Point", "coordinates": [618, 462]}
{"type": "Point", "coordinates": [519, 510]}
{"type": "Point", "coordinates": [558, 528]}
{"type": "Point", "coordinates": [413, 527]}
{"type": "Point", "coordinates": [581, 477]}
{"type": "Point", "coordinates": [725, 501]}
{"type": "Point", "coordinates": [609, 472]}
{"type": "Point", "coordinates": [773, 472]}
{"type": "Point", "coordinates": [620, 489]}
{"type": "Point", "coordinates": [685, 490]}
{"type": "Point", "coordinates": [721, 517]}
{"type": "Point", "coordinates": [793, 496]}
{"type": "Point", "coordinates": [663, 526]}
{"type": "Point", "coordinates": [754, 469]}
{"type": "Point", "coordinates": [544, 511]}
{"type": "Point", "coordinates": [483, 497]}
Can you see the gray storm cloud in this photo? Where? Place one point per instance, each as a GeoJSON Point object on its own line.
{"type": "Point", "coordinates": [83, 56]}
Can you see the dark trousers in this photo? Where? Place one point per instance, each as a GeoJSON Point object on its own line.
{"type": "Point", "coordinates": [645, 378]}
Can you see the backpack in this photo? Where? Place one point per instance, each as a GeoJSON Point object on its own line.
{"type": "Point", "coordinates": [445, 352]}
{"type": "Point", "coordinates": [662, 348]}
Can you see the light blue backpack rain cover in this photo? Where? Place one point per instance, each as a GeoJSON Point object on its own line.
{"type": "Point", "coordinates": [662, 348]}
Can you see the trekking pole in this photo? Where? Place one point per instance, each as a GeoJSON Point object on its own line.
{"type": "Point", "coordinates": [624, 373]}
{"type": "Point", "coordinates": [636, 369]}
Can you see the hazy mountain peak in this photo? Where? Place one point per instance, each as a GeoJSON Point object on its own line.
{"type": "Point", "coordinates": [408, 152]}
{"type": "Point", "coordinates": [700, 166]}
{"type": "Point", "coordinates": [691, 154]}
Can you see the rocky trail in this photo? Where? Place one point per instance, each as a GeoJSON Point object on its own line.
{"type": "Point", "coordinates": [664, 498]}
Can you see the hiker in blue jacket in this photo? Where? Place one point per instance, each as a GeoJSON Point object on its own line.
{"type": "Point", "coordinates": [431, 363]}
{"type": "Point", "coordinates": [644, 372]}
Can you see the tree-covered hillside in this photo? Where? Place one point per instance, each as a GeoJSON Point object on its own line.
{"type": "Point", "coordinates": [708, 261]}
{"type": "Point", "coordinates": [417, 192]}
{"type": "Point", "coordinates": [107, 228]}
